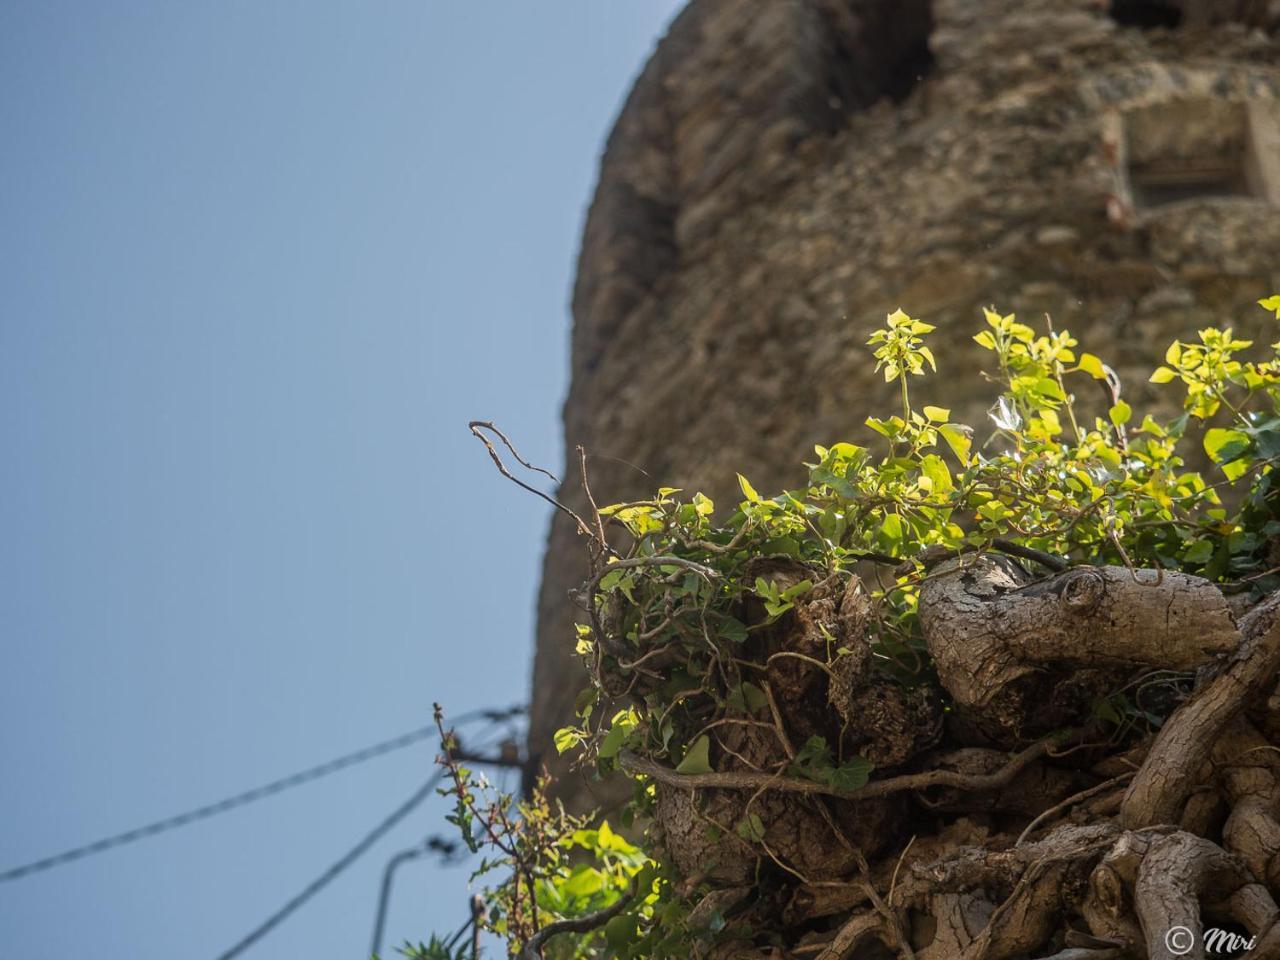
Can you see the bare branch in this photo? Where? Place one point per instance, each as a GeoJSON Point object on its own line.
{"type": "Point", "coordinates": [877, 788]}
{"type": "Point", "coordinates": [476, 426]}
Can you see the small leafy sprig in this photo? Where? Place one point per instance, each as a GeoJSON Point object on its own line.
{"type": "Point", "coordinates": [551, 865]}
{"type": "Point", "coordinates": [900, 351]}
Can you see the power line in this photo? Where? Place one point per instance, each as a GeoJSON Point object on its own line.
{"type": "Point", "coordinates": [249, 796]}
{"type": "Point", "coordinates": [348, 858]}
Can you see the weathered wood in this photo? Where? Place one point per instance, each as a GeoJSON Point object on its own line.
{"type": "Point", "coordinates": [987, 624]}
{"type": "Point", "coordinates": [1185, 742]}
{"type": "Point", "coordinates": [1245, 765]}
{"type": "Point", "coordinates": [1176, 872]}
{"type": "Point", "coordinates": [856, 930]}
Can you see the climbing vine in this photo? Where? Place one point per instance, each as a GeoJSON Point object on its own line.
{"type": "Point", "coordinates": [774, 646]}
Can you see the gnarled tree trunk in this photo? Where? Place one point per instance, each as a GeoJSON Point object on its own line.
{"type": "Point", "coordinates": [999, 836]}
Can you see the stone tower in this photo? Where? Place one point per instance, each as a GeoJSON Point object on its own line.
{"type": "Point", "coordinates": [786, 172]}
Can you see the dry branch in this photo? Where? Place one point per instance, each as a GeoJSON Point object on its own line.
{"type": "Point", "coordinates": [877, 788]}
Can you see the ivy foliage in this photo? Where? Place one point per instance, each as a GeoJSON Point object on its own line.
{"type": "Point", "coordinates": [1066, 469]}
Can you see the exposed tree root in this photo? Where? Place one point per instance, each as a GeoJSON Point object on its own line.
{"type": "Point", "coordinates": [1005, 644]}
{"type": "Point", "coordinates": [1067, 847]}
{"type": "Point", "coordinates": [1185, 742]}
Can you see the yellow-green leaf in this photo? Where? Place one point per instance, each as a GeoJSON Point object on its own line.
{"type": "Point", "coordinates": [584, 881]}
{"type": "Point", "coordinates": [885, 428]}
{"type": "Point", "coordinates": [1162, 375]}
{"type": "Point", "coordinates": [1092, 366]}
{"type": "Point", "coordinates": [1224, 445]}
{"type": "Point", "coordinates": [748, 490]}
{"type": "Point", "coordinates": [612, 741]}
{"type": "Point", "coordinates": [937, 473]}
{"type": "Point", "coordinates": [696, 758]}
{"type": "Point", "coordinates": [1120, 413]}
{"type": "Point", "coordinates": [937, 414]}
{"type": "Point", "coordinates": [891, 526]}
{"type": "Point", "coordinates": [994, 510]}
{"type": "Point", "coordinates": [1235, 469]}
{"type": "Point", "coordinates": [958, 438]}
{"type": "Point", "coordinates": [565, 738]}
{"type": "Point", "coordinates": [640, 520]}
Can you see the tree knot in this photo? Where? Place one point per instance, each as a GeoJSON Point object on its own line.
{"type": "Point", "coordinates": [1082, 591]}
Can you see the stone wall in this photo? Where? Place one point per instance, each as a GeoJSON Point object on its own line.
{"type": "Point", "coordinates": [787, 172]}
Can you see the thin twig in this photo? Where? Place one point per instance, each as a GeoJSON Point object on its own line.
{"type": "Point", "coordinates": [792, 654]}
{"type": "Point", "coordinates": [1238, 586]}
{"type": "Point", "coordinates": [877, 788]}
{"type": "Point", "coordinates": [477, 425]}
{"type": "Point", "coordinates": [1071, 801]}
{"type": "Point", "coordinates": [479, 915]}
{"type": "Point", "coordinates": [625, 463]}
{"type": "Point", "coordinates": [586, 488]}
{"type": "Point", "coordinates": [593, 585]}
{"type": "Point", "coordinates": [489, 425]}
{"type": "Point", "coordinates": [893, 883]}
{"type": "Point", "coordinates": [777, 720]}
{"type": "Point", "coordinates": [891, 920]}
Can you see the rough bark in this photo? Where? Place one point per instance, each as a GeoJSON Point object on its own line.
{"type": "Point", "coordinates": [1185, 742]}
{"type": "Point", "coordinates": [1065, 848]}
{"type": "Point", "coordinates": [1007, 646]}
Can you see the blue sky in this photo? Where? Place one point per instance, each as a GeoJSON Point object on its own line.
{"type": "Point", "coordinates": [261, 262]}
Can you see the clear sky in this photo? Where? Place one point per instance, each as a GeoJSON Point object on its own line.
{"type": "Point", "coordinates": [260, 261]}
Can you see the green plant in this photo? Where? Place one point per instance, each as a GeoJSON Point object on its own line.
{"type": "Point", "coordinates": [549, 865]}
{"type": "Point", "coordinates": [682, 621]}
{"type": "Point", "coordinates": [435, 949]}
